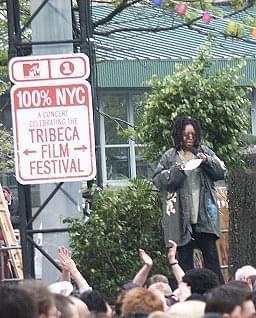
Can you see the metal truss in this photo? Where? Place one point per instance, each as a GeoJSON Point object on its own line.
{"type": "Point", "coordinates": [20, 44]}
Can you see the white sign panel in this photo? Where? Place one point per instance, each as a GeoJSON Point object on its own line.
{"type": "Point", "coordinates": [53, 132]}
{"type": "Point", "coordinates": [49, 67]}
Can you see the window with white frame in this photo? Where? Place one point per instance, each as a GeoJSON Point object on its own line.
{"type": "Point", "coordinates": [122, 159]}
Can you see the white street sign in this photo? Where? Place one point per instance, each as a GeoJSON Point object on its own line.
{"type": "Point", "coordinates": [49, 67]}
{"type": "Point", "coordinates": [53, 132]}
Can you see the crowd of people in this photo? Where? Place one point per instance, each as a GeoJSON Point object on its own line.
{"type": "Point", "coordinates": [185, 177]}
{"type": "Point", "coordinates": [199, 294]}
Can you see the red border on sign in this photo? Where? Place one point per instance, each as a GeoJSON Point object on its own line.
{"type": "Point", "coordinates": [39, 180]}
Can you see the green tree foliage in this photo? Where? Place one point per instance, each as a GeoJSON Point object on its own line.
{"type": "Point", "coordinates": [6, 151]}
{"type": "Point", "coordinates": [6, 139]}
{"type": "Point", "coordinates": [120, 223]}
{"type": "Point", "coordinates": [4, 79]}
{"type": "Point", "coordinates": [210, 96]}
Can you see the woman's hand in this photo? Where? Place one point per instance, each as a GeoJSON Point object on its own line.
{"type": "Point", "coordinates": [180, 166]}
{"type": "Point", "coordinates": [202, 156]}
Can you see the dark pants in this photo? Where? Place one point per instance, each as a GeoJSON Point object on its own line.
{"type": "Point", "coordinates": [207, 244]}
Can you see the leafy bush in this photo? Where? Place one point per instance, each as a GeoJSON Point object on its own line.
{"type": "Point", "coordinates": [202, 92]}
{"type": "Point", "coordinates": [121, 221]}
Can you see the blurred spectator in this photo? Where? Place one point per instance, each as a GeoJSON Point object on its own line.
{"type": "Point", "coordinates": [201, 280]}
{"type": "Point", "coordinates": [65, 306]}
{"type": "Point", "coordinates": [17, 303]}
{"type": "Point", "coordinates": [96, 303]}
{"type": "Point", "coordinates": [230, 301]}
{"type": "Point", "coordinates": [43, 297]}
{"type": "Point", "coordinates": [81, 307]}
{"type": "Point", "coordinates": [246, 274]}
{"type": "Point", "coordinates": [188, 309]}
{"type": "Point", "coordinates": [141, 300]}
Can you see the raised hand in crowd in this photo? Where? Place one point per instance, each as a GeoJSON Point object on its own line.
{"type": "Point", "coordinates": [69, 266]}
{"type": "Point", "coordinates": [64, 257]}
{"type": "Point", "coordinates": [173, 262]}
{"type": "Point", "coordinates": [142, 275]}
{"type": "Point", "coordinates": [147, 260]}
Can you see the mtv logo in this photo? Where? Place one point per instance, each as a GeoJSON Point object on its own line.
{"type": "Point", "coordinates": [31, 70]}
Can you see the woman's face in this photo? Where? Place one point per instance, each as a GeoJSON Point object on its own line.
{"type": "Point", "coordinates": [189, 137]}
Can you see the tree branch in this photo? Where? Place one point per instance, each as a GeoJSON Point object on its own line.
{"type": "Point", "coordinates": [248, 6]}
{"type": "Point", "coordinates": [203, 29]}
{"type": "Point", "coordinates": [147, 29]}
{"type": "Point", "coordinates": [123, 5]}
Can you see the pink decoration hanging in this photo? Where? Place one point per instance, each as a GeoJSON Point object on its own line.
{"type": "Point", "coordinates": [207, 18]}
{"type": "Point", "coordinates": [181, 9]}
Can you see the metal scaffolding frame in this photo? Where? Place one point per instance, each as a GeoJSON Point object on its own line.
{"type": "Point", "coordinates": [82, 42]}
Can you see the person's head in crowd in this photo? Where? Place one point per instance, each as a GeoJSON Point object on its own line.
{"type": "Point", "coordinates": [157, 278]}
{"type": "Point", "coordinates": [81, 307]}
{"type": "Point", "coordinates": [188, 309]}
{"type": "Point", "coordinates": [65, 306]}
{"type": "Point", "coordinates": [43, 297]}
{"type": "Point", "coordinates": [141, 300]}
{"type": "Point", "coordinates": [165, 292]}
{"type": "Point", "coordinates": [95, 302]}
{"type": "Point", "coordinates": [239, 284]}
{"type": "Point", "coordinates": [162, 287]}
{"type": "Point", "coordinates": [17, 303]}
{"type": "Point", "coordinates": [201, 280]}
{"type": "Point", "coordinates": [119, 300]}
{"type": "Point", "coordinates": [245, 273]}
{"type": "Point", "coordinates": [230, 301]}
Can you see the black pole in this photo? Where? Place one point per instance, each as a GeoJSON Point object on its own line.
{"type": "Point", "coordinates": [87, 47]}
{"type": "Point", "coordinates": [48, 199]}
{"type": "Point", "coordinates": [26, 252]}
{"type": "Point", "coordinates": [45, 253]}
{"type": "Point", "coordinates": [12, 51]}
{"type": "Point", "coordinates": [31, 251]}
{"type": "Point", "coordinates": [25, 210]}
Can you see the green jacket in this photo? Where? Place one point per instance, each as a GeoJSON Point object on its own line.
{"type": "Point", "coordinates": [173, 187]}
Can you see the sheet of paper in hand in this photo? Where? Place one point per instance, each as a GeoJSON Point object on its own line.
{"type": "Point", "coordinates": [192, 164]}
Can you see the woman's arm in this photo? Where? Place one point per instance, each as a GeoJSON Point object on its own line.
{"type": "Point", "coordinates": [168, 175]}
{"type": "Point", "coordinates": [212, 165]}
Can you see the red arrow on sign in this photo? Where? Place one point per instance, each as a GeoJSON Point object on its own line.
{"type": "Point", "coordinates": [82, 148]}
{"type": "Point", "coordinates": [28, 152]}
